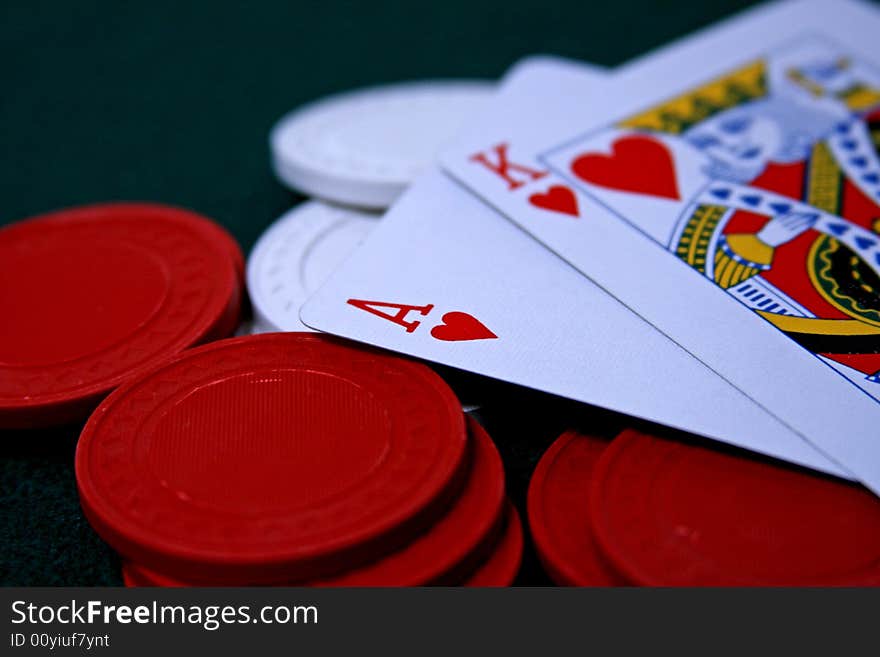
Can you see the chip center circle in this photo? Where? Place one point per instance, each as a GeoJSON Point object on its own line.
{"type": "Point", "coordinates": [263, 441]}
{"type": "Point", "coordinates": [77, 302]}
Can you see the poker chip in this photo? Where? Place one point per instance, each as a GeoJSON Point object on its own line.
{"type": "Point", "coordinates": [241, 299]}
{"type": "Point", "coordinates": [230, 319]}
{"type": "Point", "coordinates": [461, 537]}
{"type": "Point", "coordinates": [673, 514]}
{"type": "Point", "coordinates": [296, 255]}
{"type": "Point", "coordinates": [502, 566]}
{"type": "Point", "coordinates": [282, 456]}
{"type": "Point", "coordinates": [365, 147]}
{"type": "Point", "coordinates": [230, 245]}
{"type": "Point", "coordinates": [97, 295]}
{"type": "Point", "coordinates": [559, 512]}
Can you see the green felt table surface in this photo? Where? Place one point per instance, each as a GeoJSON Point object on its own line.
{"type": "Point", "coordinates": [173, 101]}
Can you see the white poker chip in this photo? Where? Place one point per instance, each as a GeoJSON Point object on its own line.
{"type": "Point", "coordinates": [296, 255]}
{"type": "Point", "coordinates": [365, 147]}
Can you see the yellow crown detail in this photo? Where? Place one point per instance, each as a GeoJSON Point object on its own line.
{"type": "Point", "coordinates": [677, 115]}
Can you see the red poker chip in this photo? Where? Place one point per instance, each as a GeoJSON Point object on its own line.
{"type": "Point", "coordinates": [502, 566]}
{"type": "Point", "coordinates": [559, 512]}
{"type": "Point", "coordinates": [97, 295]}
{"type": "Point", "coordinates": [233, 250]}
{"type": "Point", "coordinates": [460, 537]}
{"type": "Point", "coordinates": [236, 257]}
{"type": "Point", "coordinates": [274, 457]}
{"type": "Point", "coordinates": [463, 535]}
{"type": "Point", "coordinates": [673, 514]}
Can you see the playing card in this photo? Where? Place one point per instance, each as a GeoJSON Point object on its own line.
{"type": "Point", "coordinates": [446, 278]}
{"type": "Point", "coordinates": [726, 190]}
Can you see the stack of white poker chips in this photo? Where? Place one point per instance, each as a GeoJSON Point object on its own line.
{"type": "Point", "coordinates": [356, 152]}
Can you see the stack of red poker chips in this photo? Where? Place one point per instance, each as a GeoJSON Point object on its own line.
{"type": "Point", "coordinates": [293, 458]}
{"type": "Point", "coordinates": [644, 510]}
{"type": "Point", "coordinates": [102, 294]}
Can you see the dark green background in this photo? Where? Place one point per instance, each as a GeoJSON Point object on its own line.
{"type": "Point", "coordinates": [173, 102]}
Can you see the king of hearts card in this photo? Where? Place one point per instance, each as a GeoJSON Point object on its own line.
{"type": "Point", "coordinates": [766, 181]}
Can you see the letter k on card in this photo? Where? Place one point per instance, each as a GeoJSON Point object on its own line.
{"type": "Point", "coordinates": [453, 326]}
{"type": "Point", "coordinates": [552, 197]}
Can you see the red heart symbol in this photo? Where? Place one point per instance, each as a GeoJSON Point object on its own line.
{"type": "Point", "coordinates": [558, 199]}
{"type": "Point", "coordinates": [458, 326]}
{"type": "Point", "coordinates": [637, 163]}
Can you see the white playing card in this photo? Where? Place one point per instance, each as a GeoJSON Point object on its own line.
{"type": "Point", "coordinates": [726, 190]}
{"type": "Point", "coordinates": [463, 287]}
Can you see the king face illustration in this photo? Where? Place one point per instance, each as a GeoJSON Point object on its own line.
{"type": "Point", "coordinates": [774, 194]}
